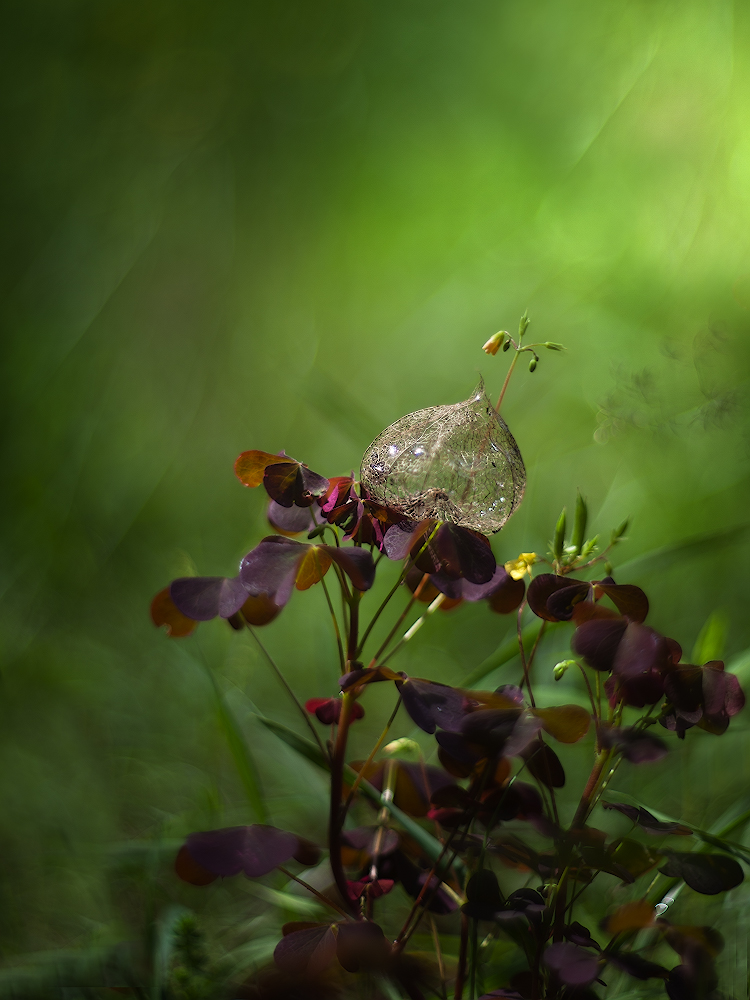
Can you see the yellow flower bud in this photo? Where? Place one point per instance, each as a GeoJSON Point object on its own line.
{"type": "Point", "coordinates": [495, 342]}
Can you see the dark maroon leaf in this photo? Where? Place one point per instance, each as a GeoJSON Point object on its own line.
{"type": "Point", "coordinates": [636, 966]}
{"type": "Point", "coordinates": [457, 552]}
{"type": "Point", "coordinates": [722, 695]}
{"type": "Point", "coordinates": [399, 538]}
{"type": "Point", "coordinates": [307, 952]}
{"type": "Point", "coordinates": [489, 729]}
{"type": "Point", "coordinates": [363, 838]}
{"type": "Point", "coordinates": [293, 520]}
{"type": "Point", "coordinates": [451, 796]}
{"type": "Point", "coordinates": [544, 764]}
{"type": "Point", "coordinates": [637, 747]}
{"type": "Point", "coordinates": [578, 934]}
{"type": "Point", "coordinates": [507, 596]}
{"type": "Point", "coordinates": [362, 945]}
{"type": "Point", "coordinates": [646, 821]}
{"type": "Point", "coordinates": [254, 850]}
{"type": "Point", "coordinates": [512, 692]}
{"type": "Point", "coordinates": [706, 873]}
{"type": "Point", "coordinates": [453, 589]}
{"type": "Point", "coordinates": [292, 483]}
{"type": "Point", "coordinates": [307, 853]}
{"type": "Point", "coordinates": [628, 599]}
{"type": "Point", "coordinates": [597, 641]}
{"type": "Point", "coordinates": [574, 965]}
{"type": "Point", "coordinates": [204, 597]}
{"type": "Point", "coordinates": [328, 710]}
{"type": "Point", "coordinates": [562, 603]}
{"type": "Point", "coordinates": [523, 733]}
{"type": "Point", "coordinates": [370, 888]}
{"type": "Point", "coordinates": [271, 567]}
{"type": "Point", "coordinates": [523, 903]}
{"type": "Point", "coordinates": [459, 749]}
{"type": "Point", "coordinates": [483, 896]}
{"type": "Point", "coordinates": [680, 984]}
{"type": "Point", "coordinates": [190, 871]}
{"type": "Point", "coordinates": [519, 800]}
{"type": "Point", "coordinates": [431, 705]}
{"type": "Point", "coordinates": [498, 583]}
{"type": "Point", "coordinates": [643, 689]}
{"type": "Point", "coordinates": [356, 562]}
{"type": "Point", "coordinates": [542, 587]}
{"type": "Point", "coordinates": [641, 649]}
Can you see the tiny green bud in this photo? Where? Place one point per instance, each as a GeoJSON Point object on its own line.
{"type": "Point", "coordinates": [579, 525]}
{"type": "Point", "coordinates": [506, 345]}
{"type": "Point", "coordinates": [608, 568]}
{"type": "Point", "coordinates": [618, 533]}
{"type": "Point", "coordinates": [560, 668]}
{"type": "Point", "coordinates": [532, 364]}
{"type": "Point", "coordinates": [524, 324]}
{"type": "Point", "coordinates": [403, 747]}
{"type": "Point", "coordinates": [589, 547]}
{"type": "Point", "coordinates": [559, 540]}
{"type": "Point", "coordinates": [553, 347]}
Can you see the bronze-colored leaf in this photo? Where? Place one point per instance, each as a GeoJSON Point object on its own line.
{"type": "Point", "coordinates": [566, 723]}
{"type": "Point", "coordinates": [165, 612]}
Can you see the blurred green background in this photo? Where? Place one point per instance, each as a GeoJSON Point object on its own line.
{"type": "Point", "coordinates": [243, 225]}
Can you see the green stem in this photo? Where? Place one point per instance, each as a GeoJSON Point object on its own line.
{"type": "Point", "coordinates": [290, 692]}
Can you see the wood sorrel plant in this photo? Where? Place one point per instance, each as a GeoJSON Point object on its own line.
{"type": "Point", "coordinates": [455, 837]}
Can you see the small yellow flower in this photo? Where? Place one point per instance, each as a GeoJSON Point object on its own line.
{"type": "Point", "coordinates": [495, 342]}
{"type": "Point", "coordinates": [518, 568]}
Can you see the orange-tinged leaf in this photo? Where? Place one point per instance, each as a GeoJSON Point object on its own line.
{"type": "Point", "coordinates": [259, 610]}
{"type": "Point", "coordinates": [566, 723]}
{"type": "Point", "coordinates": [165, 612]}
{"type": "Point", "coordinates": [490, 699]}
{"type": "Point", "coordinates": [190, 871]}
{"type": "Point", "coordinates": [314, 566]}
{"type": "Point", "coordinates": [251, 465]}
{"type": "Point", "coordinates": [630, 917]}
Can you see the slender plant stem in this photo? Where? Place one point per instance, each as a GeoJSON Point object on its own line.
{"type": "Point", "coordinates": [371, 755]}
{"type": "Point", "coordinates": [381, 609]}
{"type": "Point", "coordinates": [342, 661]}
{"type": "Point", "coordinates": [351, 652]}
{"type": "Point", "coordinates": [399, 621]}
{"type": "Point", "coordinates": [522, 652]}
{"type": "Point", "coordinates": [413, 629]}
{"type": "Point", "coordinates": [336, 815]}
{"type": "Point", "coordinates": [313, 890]}
{"type": "Point", "coordinates": [462, 954]}
{"type": "Point", "coordinates": [507, 379]}
{"type": "Point", "coordinates": [290, 692]}
{"type": "Point", "coordinates": [587, 798]}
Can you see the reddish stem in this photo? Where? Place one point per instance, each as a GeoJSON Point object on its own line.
{"type": "Point", "coordinates": [336, 816]}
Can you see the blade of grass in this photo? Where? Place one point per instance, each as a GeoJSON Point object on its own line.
{"type": "Point", "coordinates": [239, 750]}
{"type": "Point", "coordinates": [429, 844]}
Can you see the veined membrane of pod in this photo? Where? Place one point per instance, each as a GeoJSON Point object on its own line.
{"type": "Point", "coordinates": [457, 463]}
